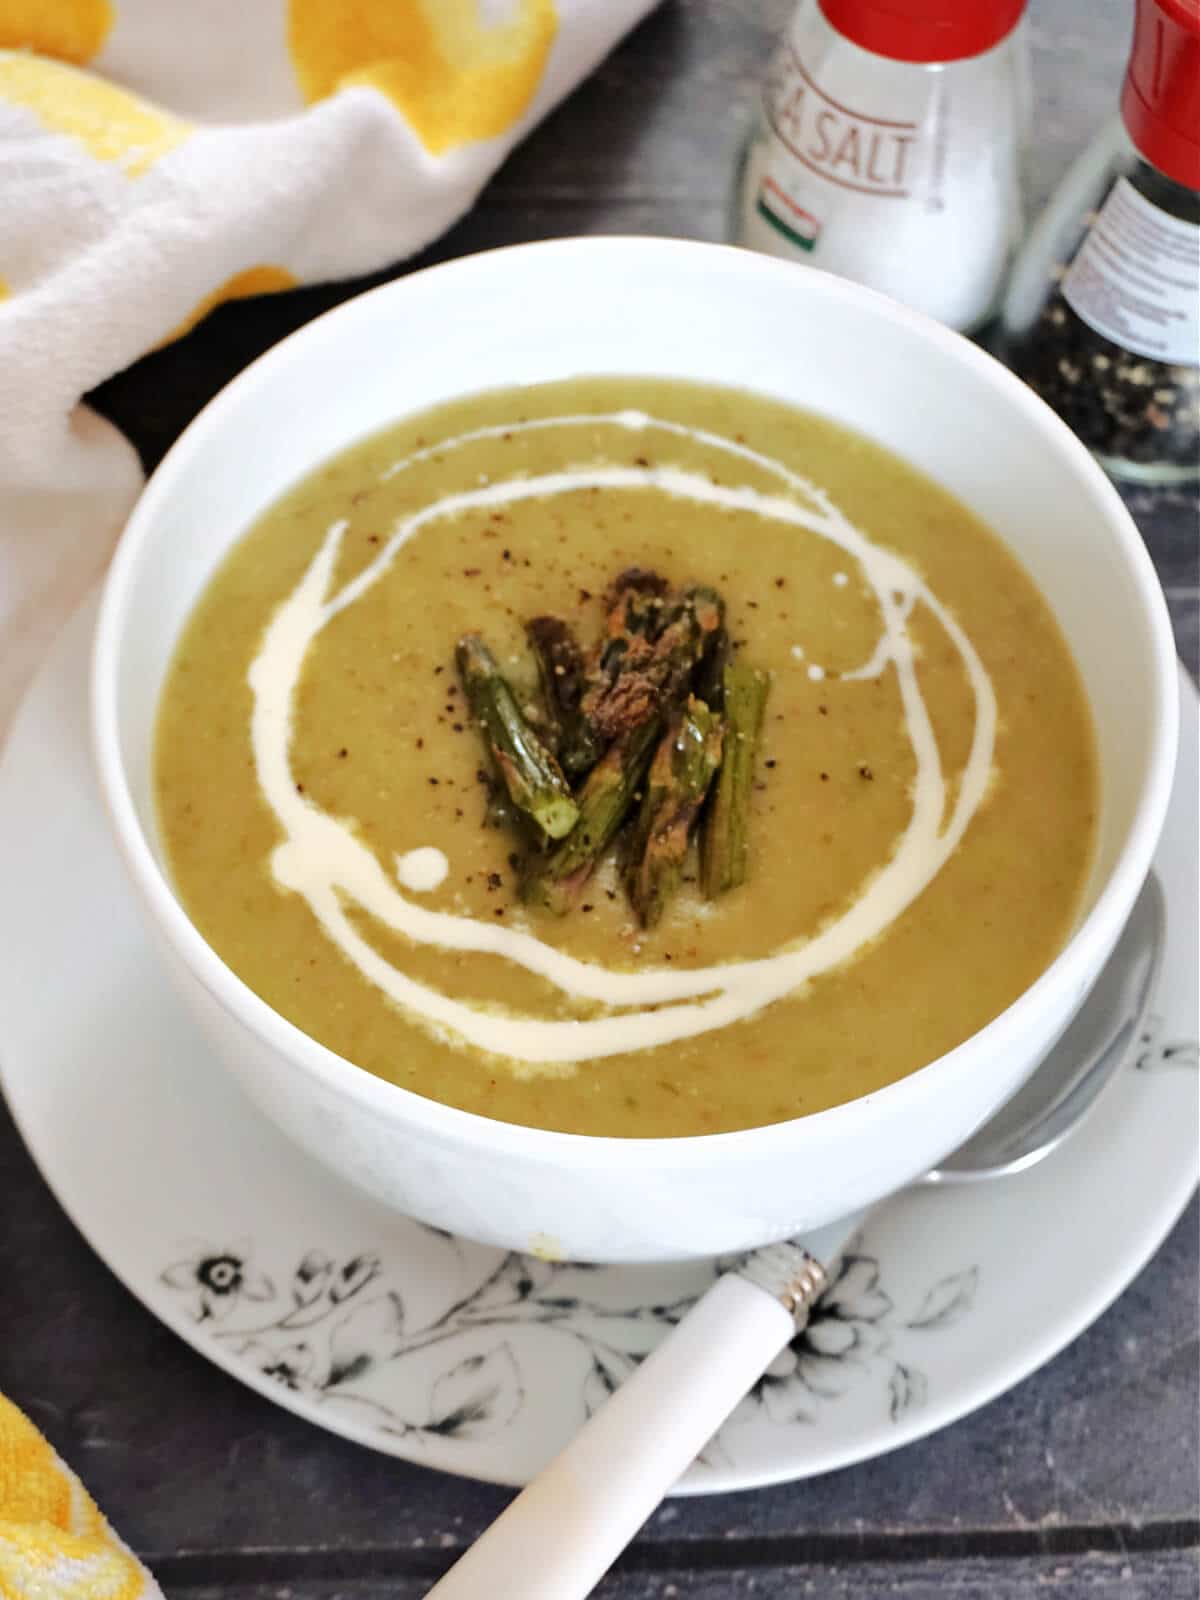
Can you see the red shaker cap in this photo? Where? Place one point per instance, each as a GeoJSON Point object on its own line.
{"type": "Point", "coordinates": [1160, 101]}
{"type": "Point", "coordinates": [924, 30]}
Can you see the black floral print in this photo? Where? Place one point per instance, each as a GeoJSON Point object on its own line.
{"type": "Point", "coordinates": [216, 1279]}
{"type": "Point", "coordinates": [341, 1322]}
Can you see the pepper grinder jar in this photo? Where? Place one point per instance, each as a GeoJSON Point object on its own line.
{"type": "Point", "coordinates": [1102, 314]}
{"type": "Point", "coordinates": [889, 150]}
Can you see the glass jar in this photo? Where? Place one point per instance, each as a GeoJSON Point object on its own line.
{"type": "Point", "coordinates": [1102, 313]}
{"type": "Point", "coordinates": [889, 150]}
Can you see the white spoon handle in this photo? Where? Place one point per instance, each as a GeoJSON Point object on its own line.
{"type": "Point", "coordinates": [561, 1534]}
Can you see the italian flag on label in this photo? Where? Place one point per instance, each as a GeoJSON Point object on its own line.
{"type": "Point", "coordinates": [778, 208]}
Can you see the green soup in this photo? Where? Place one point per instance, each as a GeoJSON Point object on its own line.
{"type": "Point", "coordinates": [924, 790]}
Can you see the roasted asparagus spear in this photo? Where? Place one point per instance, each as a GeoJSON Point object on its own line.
{"type": "Point", "coordinates": [710, 674]}
{"type": "Point", "coordinates": [561, 670]}
{"type": "Point", "coordinates": [556, 880]}
{"type": "Point", "coordinates": [654, 672]}
{"type": "Point", "coordinates": [688, 755]}
{"type": "Point", "coordinates": [724, 833]}
{"type": "Point", "coordinates": [531, 775]}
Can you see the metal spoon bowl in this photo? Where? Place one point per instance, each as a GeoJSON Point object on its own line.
{"type": "Point", "coordinates": [1067, 1084]}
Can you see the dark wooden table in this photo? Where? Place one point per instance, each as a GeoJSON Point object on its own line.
{"type": "Point", "coordinates": [1081, 1483]}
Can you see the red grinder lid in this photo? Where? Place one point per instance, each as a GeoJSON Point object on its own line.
{"type": "Point", "coordinates": [924, 30]}
{"type": "Point", "coordinates": [1160, 101]}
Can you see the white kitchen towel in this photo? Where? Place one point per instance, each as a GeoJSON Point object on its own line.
{"type": "Point", "coordinates": [160, 156]}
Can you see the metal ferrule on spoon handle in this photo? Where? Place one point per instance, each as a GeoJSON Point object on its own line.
{"type": "Point", "coordinates": [562, 1533]}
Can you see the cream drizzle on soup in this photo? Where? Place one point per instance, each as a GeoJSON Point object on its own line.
{"type": "Point", "coordinates": [322, 859]}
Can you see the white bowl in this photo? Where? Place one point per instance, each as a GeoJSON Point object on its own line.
{"type": "Point", "coordinates": [664, 308]}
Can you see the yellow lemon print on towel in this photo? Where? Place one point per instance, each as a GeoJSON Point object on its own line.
{"type": "Point", "coordinates": [110, 124]}
{"type": "Point", "coordinates": [455, 76]}
{"type": "Point", "coordinates": [70, 30]}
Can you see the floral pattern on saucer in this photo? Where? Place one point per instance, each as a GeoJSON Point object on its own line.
{"type": "Point", "coordinates": [331, 1326]}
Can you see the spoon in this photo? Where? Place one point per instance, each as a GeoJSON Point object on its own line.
{"type": "Point", "coordinates": [1067, 1084]}
{"type": "Point", "coordinates": [561, 1534]}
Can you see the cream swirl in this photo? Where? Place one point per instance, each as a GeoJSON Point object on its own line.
{"type": "Point", "coordinates": [321, 859]}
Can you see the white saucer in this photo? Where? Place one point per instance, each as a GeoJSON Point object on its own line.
{"type": "Point", "coordinates": [460, 1357]}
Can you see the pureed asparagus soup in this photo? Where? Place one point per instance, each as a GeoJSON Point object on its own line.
{"type": "Point", "coordinates": [627, 757]}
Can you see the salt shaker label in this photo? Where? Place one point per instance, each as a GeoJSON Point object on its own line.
{"type": "Point", "coordinates": [1134, 279]}
{"type": "Point", "coordinates": [816, 134]}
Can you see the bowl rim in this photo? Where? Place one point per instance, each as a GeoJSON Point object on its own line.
{"type": "Point", "coordinates": [449, 1124]}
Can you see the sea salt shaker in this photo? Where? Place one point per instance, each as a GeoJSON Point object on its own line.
{"type": "Point", "coordinates": [1102, 316]}
{"type": "Point", "coordinates": [889, 149]}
